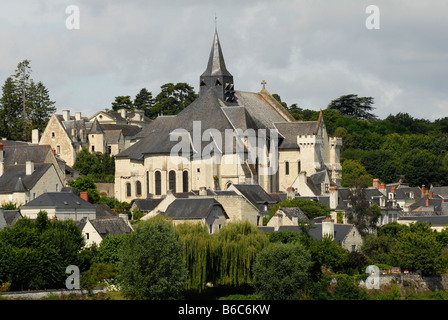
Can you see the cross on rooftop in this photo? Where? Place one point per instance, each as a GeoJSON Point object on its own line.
{"type": "Point", "coordinates": [263, 83]}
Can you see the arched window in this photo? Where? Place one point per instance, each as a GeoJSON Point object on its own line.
{"type": "Point", "coordinates": [138, 188]}
{"type": "Point", "coordinates": [299, 166]}
{"type": "Point", "coordinates": [185, 181]}
{"type": "Point", "coordinates": [172, 181]}
{"type": "Point", "coordinates": [286, 167]}
{"type": "Point", "coordinates": [128, 189]}
{"type": "Point", "coordinates": [147, 182]}
{"type": "Point", "coordinates": [158, 181]}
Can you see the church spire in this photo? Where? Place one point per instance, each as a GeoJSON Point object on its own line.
{"type": "Point", "coordinates": [216, 76]}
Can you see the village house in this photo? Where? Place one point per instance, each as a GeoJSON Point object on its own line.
{"type": "Point", "coordinates": [67, 134]}
{"type": "Point", "coordinates": [207, 211]}
{"type": "Point", "coordinates": [95, 230]}
{"type": "Point", "coordinates": [149, 168]}
{"type": "Point", "coordinates": [59, 205]}
{"type": "Point", "coordinates": [27, 171]}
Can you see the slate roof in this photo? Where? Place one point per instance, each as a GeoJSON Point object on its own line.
{"type": "Point", "coordinates": [110, 226]}
{"type": "Point", "coordinates": [146, 205]}
{"type": "Point", "coordinates": [433, 220]}
{"type": "Point", "coordinates": [255, 194]}
{"type": "Point", "coordinates": [15, 179]}
{"type": "Point", "coordinates": [252, 112]}
{"type": "Point", "coordinates": [20, 153]}
{"type": "Point", "coordinates": [192, 208]}
{"type": "Point", "coordinates": [59, 200]}
{"type": "Point", "coordinates": [295, 212]}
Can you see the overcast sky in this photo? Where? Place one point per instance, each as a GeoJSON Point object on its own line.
{"type": "Point", "coordinates": [309, 52]}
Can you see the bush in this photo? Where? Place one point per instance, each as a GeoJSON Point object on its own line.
{"type": "Point", "coordinates": [151, 265]}
{"type": "Point", "coordinates": [281, 271]}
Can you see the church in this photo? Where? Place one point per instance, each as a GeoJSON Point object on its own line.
{"type": "Point", "coordinates": [217, 134]}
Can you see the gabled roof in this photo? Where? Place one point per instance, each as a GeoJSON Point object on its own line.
{"type": "Point", "coordinates": [146, 205]}
{"type": "Point", "coordinates": [192, 208]}
{"type": "Point", "coordinates": [15, 179]}
{"type": "Point", "coordinates": [110, 226]}
{"type": "Point", "coordinates": [255, 194]}
{"type": "Point", "coordinates": [295, 212]}
{"type": "Point", "coordinates": [20, 153]}
{"type": "Point", "coordinates": [59, 200]}
{"type": "Point", "coordinates": [96, 128]}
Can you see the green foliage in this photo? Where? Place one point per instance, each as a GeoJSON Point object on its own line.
{"type": "Point", "coordinates": [354, 174]}
{"type": "Point", "coordinates": [96, 165]}
{"type": "Point", "coordinates": [122, 102]}
{"type": "Point", "coordinates": [151, 263]}
{"type": "Point", "coordinates": [172, 99]}
{"type": "Point", "coordinates": [24, 105]}
{"type": "Point", "coordinates": [82, 184]}
{"type": "Point", "coordinates": [34, 254]}
{"type": "Point", "coordinates": [353, 106]}
{"type": "Point", "coordinates": [281, 271]}
{"type": "Point", "coordinates": [414, 247]}
{"type": "Point", "coordinates": [310, 208]}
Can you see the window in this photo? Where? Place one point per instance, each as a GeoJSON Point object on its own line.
{"type": "Point", "coordinates": [128, 189]}
{"type": "Point", "coordinates": [109, 149]}
{"type": "Point", "coordinates": [138, 188]}
{"type": "Point", "coordinates": [147, 182]}
{"type": "Point", "coordinates": [87, 235]}
{"type": "Point", "coordinates": [299, 165]}
{"type": "Point", "coordinates": [58, 149]}
{"type": "Point", "coordinates": [211, 228]}
{"type": "Point", "coordinates": [53, 135]}
{"type": "Point", "coordinates": [158, 181]}
{"type": "Point", "coordinates": [93, 148]}
{"type": "Point", "coordinates": [172, 181]}
{"type": "Point", "coordinates": [286, 167]}
{"type": "Point", "coordinates": [185, 181]}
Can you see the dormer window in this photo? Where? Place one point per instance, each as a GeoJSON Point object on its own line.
{"type": "Point", "coordinates": [218, 83]}
{"type": "Point", "coordinates": [202, 84]}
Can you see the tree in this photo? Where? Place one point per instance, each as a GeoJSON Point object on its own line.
{"type": "Point", "coordinates": [144, 101]}
{"type": "Point", "coordinates": [281, 271]}
{"type": "Point", "coordinates": [172, 99]}
{"type": "Point", "coordinates": [355, 174]}
{"type": "Point", "coordinates": [362, 214]}
{"type": "Point", "coordinates": [151, 263]}
{"type": "Point", "coordinates": [11, 111]}
{"type": "Point", "coordinates": [22, 80]}
{"type": "Point", "coordinates": [353, 106]}
{"type": "Point", "coordinates": [122, 102]}
{"type": "Point", "coordinates": [40, 106]}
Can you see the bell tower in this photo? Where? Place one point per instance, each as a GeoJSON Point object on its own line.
{"type": "Point", "coordinates": [216, 77]}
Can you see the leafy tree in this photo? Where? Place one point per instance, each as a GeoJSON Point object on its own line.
{"type": "Point", "coordinates": [151, 263]}
{"type": "Point", "coordinates": [109, 249]}
{"type": "Point", "coordinates": [122, 102]}
{"type": "Point", "coordinates": [310, 208]}
{"type": "Point", "coordinates": [281, 271]}
{"type": "Point", "coordinates": [11, 111]}
{"type": "Point", "coordinates": [355, 174]}
{"type": "Point", "coordinates": [353, 106]}
{"type": "Point", "coordinates": [328, 254]}
{"type": "Point", "coordinates": [172, 99]}
{"type": "Point", "coordinates": [362, 214]}
{"type": "Point", "coordinates": [144, 101]}
{"type": "Point", "coordinates": [34, 254]}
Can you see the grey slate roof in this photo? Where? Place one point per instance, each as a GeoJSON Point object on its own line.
{"type": "Point", "coordinates": [146, 205]}
{"type": "Point", "coordinates": [192, 208]}
{"type": "Point", "coordinates": [15, 179]}
{"type": "Point", "coordinates": [110, 226]}
{"type": "Point", "coordinates": [20, 153]}
{"type": "Point", "coordinates": [433, 220]}
{"type": "Point", "coordinates": [295, 212]}
{"type": "Point", "coordinates": [59, 200]}
{"type": "Point", "coordinates": [255, 194]}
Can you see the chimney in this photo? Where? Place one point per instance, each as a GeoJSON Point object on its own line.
{"type": "Point", "coordinates": [84, 195]}
{"type": "Point", "coordinates": [35, 136]}
{"type": "Point", "coordinates": [328, 228]}
{"type": "Point", "coordinates": [202, 191]}
{"type": "Point", "coordinates": [334, 195]}
{"type": "Point", "coordinates": [427, 201]}
{"type": "Point", "coordinates": [423, 190]}
{"type": "Point", "coordinates": [302, 180]}
{"type": "Point", "coordinates": [29, 167]}
{"type": "Point", "coordinates": [2, 159]}
{"type": "Point", "coordinates": [66, 115]}
{"type": "Point", "coordinates": [78, 116]}
{"type": "Point", "coordinates": [290, 193]}
{"type": "Point", "coordinates": [431, 194]}
{"type": "Point", "coordinates": [376, 183]}
{"type": "Point", "coordinates": [122, 113]}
